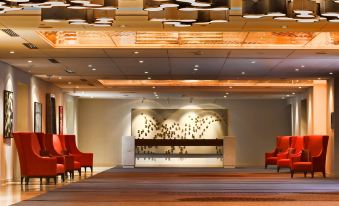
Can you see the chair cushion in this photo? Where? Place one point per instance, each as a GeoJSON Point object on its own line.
{"type": "Point", "coordinates": [77, 165]}
{"type": "Point", "coordinates": [303, 166]}
{"type": "Point", "coordinates": [284, 163]}
{"type": "Point", "coordinates": [60, 168]}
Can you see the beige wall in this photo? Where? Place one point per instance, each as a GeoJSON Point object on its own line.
{"type": "Point", "coordinates": [34, 90]}
{"type": "Point", "coordinates": [255, 123]}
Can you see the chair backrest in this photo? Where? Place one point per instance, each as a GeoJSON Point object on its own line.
{"type": "Point", "coordinates": [283, 143]}
{"type": "Point", "coordinates": [53, 145]}
{"type": "Point", "coordinates": [71, 144]}
{"type": "Point", "coordinates": [316, 144]}
{"type": "Point", "coordinates": [19, 138]}
{"type": "Point", "coordinates": [297, 142]}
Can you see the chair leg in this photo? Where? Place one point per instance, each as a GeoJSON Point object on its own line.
{"type": "Point", "coordinates": [79, 171]}
{"type": "Point", "coordinates": [22, 180]}
{"type": "Point", "coordinates": [40, 180]}
{"type": "Point", "coordinates": [265, 166]}
{"type": "Point", "coordinates": [292, 173]}
{"type": "Point", "coordinates": [85, 169]}
{"type": "Point", "coordinates": [312, 173]}
{"type": "Point", "coordinates": [47, 180]}
{"type": "Point", "coordinates": [278, 169]}
{"type": "Point", "coordinates": [91, 169]}
{"type": "Point", "coordinates": [27, 180]}
{"type": "Point", "coordinates": [305, 173]}
{"type": "Point", "coordinates": [63, 177]}
{"type": "Point", "coordinates": [55, 180]}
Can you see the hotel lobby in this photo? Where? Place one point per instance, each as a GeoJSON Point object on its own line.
{"type": "Point", "coordinates": [172, 102]}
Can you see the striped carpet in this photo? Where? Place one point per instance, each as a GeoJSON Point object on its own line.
{"type": "Point", "coordinates": [193, 186]}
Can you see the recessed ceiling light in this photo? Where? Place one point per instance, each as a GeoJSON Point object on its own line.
{"type": "Point", "coordinates": [146, 72]}
{"type": "Point", "coordinates": [77, 87]}
{"type": "Point", "coordinates": [141, 61]}
{"type": "Point", "coordinates": [293, 93]}
{"type": "Point", "coordinates": [282, 97]}
{"type": "Point", "coordinates": [195, 69]}
{"type": "Point", "coordinates": [92, 97]}
{"type": "Point", "coordinates": [302, 66]}
{"type": "Point", "coordinates": [153, 87]}
{"type": "Point", "coordinates": [157, 97]}
{"type": "Point", "coordinates": [122, 25]}
{"type": "Point", "coordinates": [243, 73]}
{"type": "Point", "coordinates": [59, 77]}
{"type": "Point", "coordinates": [299, 87]}
{"type": "Point", "coordinates": [230, 87]}
{"type": "Point", "coordinates": [69, 82]}
{"type": "Point", "coordinates": [319, 78]}
{"type": "Point", "coordinates": [225, 96]}
{"type": "Point", "coordinates": [296, 69]}
{"type": "Point", "coordinates": [287, 95]}
{"type": "Point", "coordinates": [29, 71]}
{"type": "Point", "coordinates": [136, 52]}
{"type": "Point", "coordinates": [331, 73]}
{"type": "Point", "coordinates": [90, 65]}
{"type": "Point", "coordinates": [196, 66]}
{"type": "Point", "coordinates": [284, 26]}
{"type": "Point", "coordinates": [227, 93]}
{"type": "Point", "coordinates": [29, 61]}
{"type": "Point", "coordinates": [253, 62]}
{"type": "Point", "coordinates": [94, 69]}
{"type": "Point", "coordinates": [11, 52]}
{"type": "Point", "coordinates": [149, 78]}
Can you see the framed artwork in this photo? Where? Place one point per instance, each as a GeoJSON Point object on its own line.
{"type": "Point", "coordinates": [50, 114]}
{"type": "Point", "coordinates": [61, 119]}
{"type": "Point", "coordinates": [8, 114]}
{"type": "Point", "coordinates": [37, 117]}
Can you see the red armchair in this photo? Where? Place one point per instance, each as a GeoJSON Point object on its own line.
{"type": "Point", "coordinates": [313, 158]}
{"type": "Point", "coordinates": [33, 165]}
{"type": "Point", "coordinates": [85, 159]}
{"type": "Point", "coordinates": [55, 146]}
{"type": "Point", "coordinates": [284, 159]}
{"type": "Point", "coordinates": [282, 144]}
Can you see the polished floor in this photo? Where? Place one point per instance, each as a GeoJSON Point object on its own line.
{"type": "Point", "coordinates": [183, 186]}
{"type": "Point", "coordinates": [12, 192]}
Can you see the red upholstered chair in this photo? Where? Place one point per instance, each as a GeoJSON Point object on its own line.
{"type": "Point", "coordinates": [55, 146]}
{"type": "Point", "coordinates": [282, 144]}
{"type": "Point", "coordinates": [32, 164]}
{"type": "Point", "coordinates": [85, 159]}
{"type": "Point", "coordinates": [284, 159]}
{"type": "Point", "coordinates": [313, 158]}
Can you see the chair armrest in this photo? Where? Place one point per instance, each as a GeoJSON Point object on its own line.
{"type": "Point", "coordinates": [295, 157]}
{"type": "Point", "coordinates": [317, 160]}
{"type": "Point", "coordinates": [270, 154]}
{"type": "Point", "coordinates": [69, 162]}
{"type": "Point", "coordinates": [42, 166]}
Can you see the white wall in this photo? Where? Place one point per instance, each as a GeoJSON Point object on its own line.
{"type": "Point", "coordinates": [255, 123]}
{"type": "Point", "coordinates": [10, 78]}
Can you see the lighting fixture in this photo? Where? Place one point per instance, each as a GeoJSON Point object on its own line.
{"type": "Point", "coordinates": [195, 69]}
{"type": "Point", "coordinates": [59, 77]}
{"type": "Point", "coordinates": [302, 66]}
{"type": "Point", "coordinates": [29, 61]}
{"type": "Point", "coordinates": [69, 82]}
{"type": "Point", "coordinates": [252, 62]}
{"type": "Point", "coordinates": [146, 72]}
{"type": "Point", "coordinates": [296, 69]}
{"type": "Point", "coordinates": [89, 65]}
{"type": "Point", "coordinates": [94, 69]}
{"type": "Point", "coordinates": [293, 93]}
{"type": "Point", "coordinates": [230, 87]}
{"type": "Point", "coordinates": [149, 78]}
{"type": "Point", "coordinates": [299, 87]}
{"type": "Point", "coordinates": [11, 52]}
{"type": "Point", "coordinates": [331, 73]}
{"type": "Point", "coordinates": [243, 73]}
{"type": "Point", "coordinates": [153, 87]}
{"type": "Point", "coordinates": [141, 61]}
{"type": "Point", "coordinates": [196, 66]}
{"type": "Point", "coordinates": [136, 52]}
{"type": "Point", "coordinates": [185, 13]}
{"type": "Point", "coordinates": [225, 96]}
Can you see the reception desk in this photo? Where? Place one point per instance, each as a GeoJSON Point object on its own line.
{"type": "Point", "coordinates": [219, 152]}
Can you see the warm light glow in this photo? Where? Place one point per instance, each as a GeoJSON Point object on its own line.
{"type": "Point", "coordinates": [152, 39]}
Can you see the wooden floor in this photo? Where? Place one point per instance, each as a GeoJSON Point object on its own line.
{"type": "Point", "coordinates": [183, 186]}
{"type": "Point", "coordinates": [12, 192]}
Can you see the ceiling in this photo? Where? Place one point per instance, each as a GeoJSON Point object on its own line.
{"type": "Point", "coordinates": [224, 63]}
